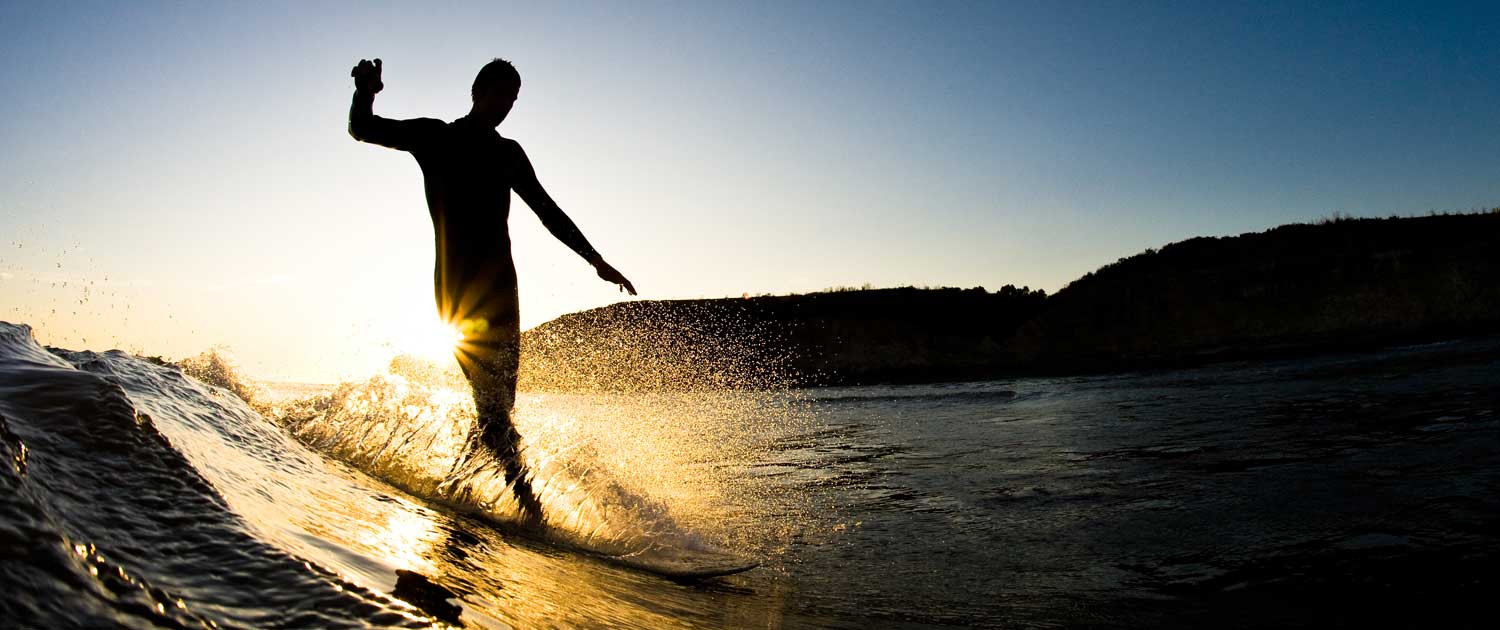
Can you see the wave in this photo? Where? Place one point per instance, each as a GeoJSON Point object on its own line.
{"type": "Point", "coordinates": [106, 523]}
{"type": "Point", "coordinates": [411, 428]}
{"type": "Point", "coordinates": [147, 493]}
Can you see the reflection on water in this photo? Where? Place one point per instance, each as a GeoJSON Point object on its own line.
{"type": "Point", "coordinates": [986, 503]}
{"type": "Point", "coordinates": [614, 473]}
{"type": "Point", "coordinates": [406, 541]}
{"type": "Point", "coordinates": [1320, 492]}
{"type": "Point", "coordinates": [381, 537]}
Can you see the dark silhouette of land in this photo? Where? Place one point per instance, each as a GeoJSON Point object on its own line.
{"type": "Point", "coordinates": [1296, 289]}
{"type": "Point", "coordinates": [834, 337]}
{"type": "Point", "coordinates": [469, 171]}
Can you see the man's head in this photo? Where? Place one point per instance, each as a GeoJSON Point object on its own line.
{"type": "Point", "coordinates": [495, 89]}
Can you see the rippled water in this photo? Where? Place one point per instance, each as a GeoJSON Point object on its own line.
{"type": "Point", "coordinates": [1355, 489]}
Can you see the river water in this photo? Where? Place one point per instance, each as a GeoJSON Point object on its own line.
{"type": "Point", "coordinates": [1338, 490]}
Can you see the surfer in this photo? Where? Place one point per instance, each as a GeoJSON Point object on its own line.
{"type": "Point", "coordinates": [468, 171]}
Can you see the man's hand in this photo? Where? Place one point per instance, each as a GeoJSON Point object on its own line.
{"type": "Point", "coordinates": [609, 274]}
{"type": "Point", "coordinates": [367, 76]}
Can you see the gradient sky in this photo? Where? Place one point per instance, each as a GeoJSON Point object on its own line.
{"type": "Point", "coordinates": [185, 171]}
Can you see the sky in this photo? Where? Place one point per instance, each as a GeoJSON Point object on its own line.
{"type": "Point", "coordinates": [178, 176]}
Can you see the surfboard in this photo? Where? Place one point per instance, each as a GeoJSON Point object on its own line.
{"type": "Point", "coordinates": [666, 560]}
{"type": "Point", "coordinates": [682, 562]}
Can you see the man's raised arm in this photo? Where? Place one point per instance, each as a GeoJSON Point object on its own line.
{"type": "Point", "coordinates": [364, 125]}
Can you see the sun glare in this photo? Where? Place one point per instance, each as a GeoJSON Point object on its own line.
{"type": "Point", "coordinates": [433, 340]}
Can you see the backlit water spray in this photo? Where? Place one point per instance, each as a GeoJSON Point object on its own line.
{"type": "Point", "coordinates": [627, 445]}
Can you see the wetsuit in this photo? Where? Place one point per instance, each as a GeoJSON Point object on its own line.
{"type": "Point", "coordinates": [469, 171]}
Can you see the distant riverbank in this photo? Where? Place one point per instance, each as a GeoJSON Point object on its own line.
{"type": "Point", "coordinates": [1295, 289]}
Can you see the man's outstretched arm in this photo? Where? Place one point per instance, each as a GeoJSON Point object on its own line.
{"type": "Point", "coordinates": [558, 223]}
{"type": "Point", "coordinates": [364, 125]}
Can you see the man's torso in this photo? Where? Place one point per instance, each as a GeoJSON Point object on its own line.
{"type": "Point", "coordinates": [468, 170]}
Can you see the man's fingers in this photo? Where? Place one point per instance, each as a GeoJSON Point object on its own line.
{"type": "Point", "coordinates": [367, 75]}
{"type": "Point", "coordinates": [612, 275]}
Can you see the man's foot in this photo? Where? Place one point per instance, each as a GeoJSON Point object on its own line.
{"type": "Point", "coordinates": [515, 475]}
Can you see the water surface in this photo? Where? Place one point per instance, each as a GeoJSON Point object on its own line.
{"type": "Point", "coordinates": [1354, 488]}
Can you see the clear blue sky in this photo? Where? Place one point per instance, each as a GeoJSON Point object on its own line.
{"type": "Point", "coordinates": [185, 169]}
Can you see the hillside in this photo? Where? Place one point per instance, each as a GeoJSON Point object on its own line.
{"type": "Point", "coordinates": [1297, 288]}
{"type": "Point", "coordinates": [846, 336]}
{"type": "Point", "coordinates": [1346, 283]}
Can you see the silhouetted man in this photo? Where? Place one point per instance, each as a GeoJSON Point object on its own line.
{"type": "Point", "coordinates": [469, 171]}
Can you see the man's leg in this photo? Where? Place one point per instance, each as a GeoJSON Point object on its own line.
{"type": "Point", "coordinates": [491, 367]}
